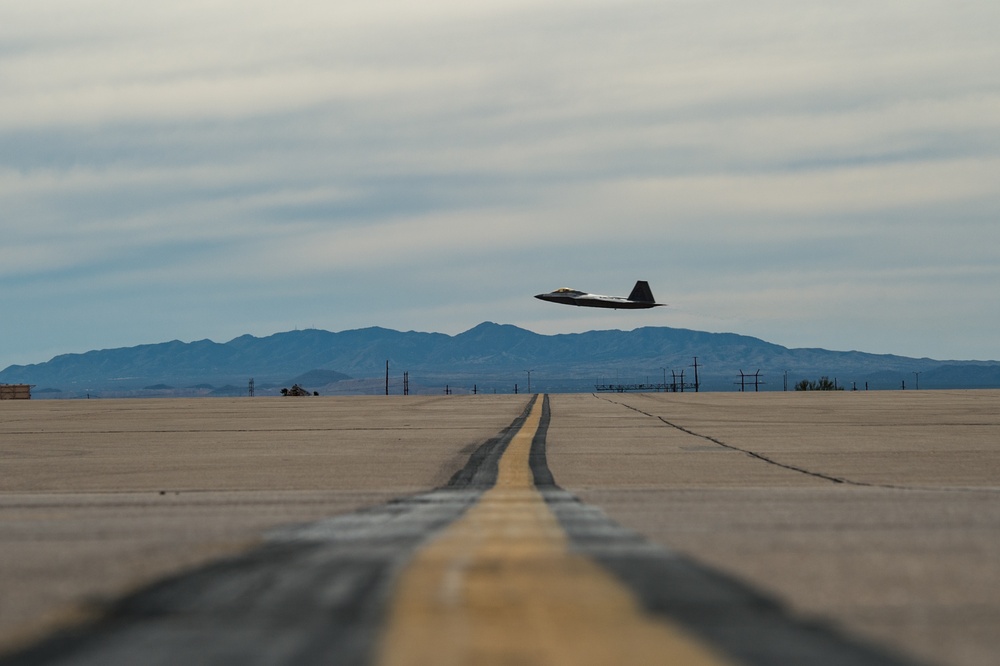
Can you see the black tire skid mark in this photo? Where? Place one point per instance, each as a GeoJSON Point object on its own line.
{"type": "Point", "coordinates": [315, 593]}
{"type": "Point", "coordinates": [739, 621]}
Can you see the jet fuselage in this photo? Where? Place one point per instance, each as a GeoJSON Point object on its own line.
{"type": "Point", "coordinates": [640, 298]}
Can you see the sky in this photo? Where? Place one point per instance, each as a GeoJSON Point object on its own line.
{"type": "Point", "coordinates": [815, 174]}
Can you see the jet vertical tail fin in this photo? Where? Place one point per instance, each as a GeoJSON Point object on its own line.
{"type": "Point", "coordinates": [642, 293]}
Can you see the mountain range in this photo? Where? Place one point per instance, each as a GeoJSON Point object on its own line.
{"type": "Point", "coordinates": [487, 358]}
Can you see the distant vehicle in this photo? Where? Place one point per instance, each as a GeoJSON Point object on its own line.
{"type": "Point", "coordinates": [297, 390]}
{"type": "Point", "coordinates": [640, 298]}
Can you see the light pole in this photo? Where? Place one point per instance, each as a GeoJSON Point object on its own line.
{"type": "Point", "coordinates": [529, 381]}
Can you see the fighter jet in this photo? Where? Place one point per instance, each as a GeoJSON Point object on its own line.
{"type": "Point", "coordinates": [640, 298]}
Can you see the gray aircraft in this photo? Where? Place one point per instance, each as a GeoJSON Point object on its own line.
{"type": "Point", "coordinates": [640, 298]}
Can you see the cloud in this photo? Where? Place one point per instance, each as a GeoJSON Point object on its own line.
{"type": "Point", "coordinates": [750, 159]}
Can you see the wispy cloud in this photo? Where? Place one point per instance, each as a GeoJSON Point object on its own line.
{"type": "Point", "coordinates": [812, 173]}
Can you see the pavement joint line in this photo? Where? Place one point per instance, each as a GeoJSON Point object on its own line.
{"type": "Point", "coordinates": [801, 470]}
{"type": "Point", "coordinates": [209, 430]}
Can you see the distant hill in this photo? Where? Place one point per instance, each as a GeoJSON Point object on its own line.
{"type": "Point", "coordinates": [490, 357]}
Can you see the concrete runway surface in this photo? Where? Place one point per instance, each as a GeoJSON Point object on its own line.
{"type": "Point", "coordinates": [862, 527]}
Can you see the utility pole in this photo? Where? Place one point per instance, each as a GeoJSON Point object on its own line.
{"type": "Point", "coordinates": [756, 381]}
{"type": "Point", "coordinates": [696, 385]}
{"type": "Point", "coordinates": [674, 384]}
{"type": "Point", "coordinates": [387, 377]}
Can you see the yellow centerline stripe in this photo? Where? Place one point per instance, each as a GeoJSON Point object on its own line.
{"type": "Point", "coordinates": [500, 586]}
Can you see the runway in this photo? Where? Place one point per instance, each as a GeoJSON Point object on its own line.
{"type": "Point", "coordinates": [777, 528]}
